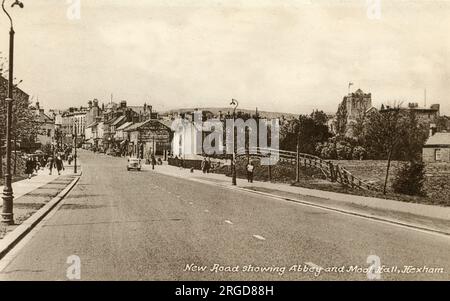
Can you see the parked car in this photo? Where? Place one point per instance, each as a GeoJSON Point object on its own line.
{"type": "Point", "coordinates": [134, 163]}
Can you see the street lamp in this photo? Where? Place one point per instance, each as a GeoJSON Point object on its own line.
{"type": "Point", "coordinates": [8, 196]}
{"type": "Point", "coordinates": [75, 142]}
{"type": "Point", "coordinates": [234, 103]}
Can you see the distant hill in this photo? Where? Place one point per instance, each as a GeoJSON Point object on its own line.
{"type": "Point", "coordinates": [215, 111]}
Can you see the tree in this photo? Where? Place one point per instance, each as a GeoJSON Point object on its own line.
{"type": "Point", "coordinates": [341, 119]}
{"type": "Point", "coordinates": [410, 179]}
{"type": "Point", "coordinates": [384, 133]}
{"type": "Point", "coordinates": [308, 130]}
{"type": "Point", "coordinates": [23, 122]}
{"type": "Point", "coordinates": [443, 123]}
{"type": "Point", "coordinates": [415, 136]}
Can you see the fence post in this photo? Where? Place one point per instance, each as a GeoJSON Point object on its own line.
{"type": "Point", "coordinates": [332, 172]}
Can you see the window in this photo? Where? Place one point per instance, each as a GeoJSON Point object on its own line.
{"type": "Point", "coordinates": [437, 155]}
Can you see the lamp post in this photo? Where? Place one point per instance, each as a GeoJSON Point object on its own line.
{"type": "Point", "coordinates": [8, 196]}
{"type": "Point", "coordinates": [234, 103]}
{"type": "Point", "coordinates": [75, 146]}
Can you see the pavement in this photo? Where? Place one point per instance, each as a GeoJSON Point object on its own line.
{"type": "Point", "coordinates": [423, 210]}
{"type": "Point", "coordinates": [33, 198]}
{"type": "Point", "coordinates": [41, 178]}
{"type": "Point", "coordinates": [120, 225]}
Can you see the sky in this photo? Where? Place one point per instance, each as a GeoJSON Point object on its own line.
{"type": "Point", "coordinates": [284, 56]}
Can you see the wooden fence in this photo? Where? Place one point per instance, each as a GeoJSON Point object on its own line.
{"type": "Point", "coordinates": [332, 172]}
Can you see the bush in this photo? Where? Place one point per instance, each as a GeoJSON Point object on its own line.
{"type": "Point", "coordinates": [328, 151]}
{"type": "Point", "coordinates": [344, 152]}
{"type": "Point", "coordinates": [359, 153]}
{"type": "Point", "coordinates": [410, 179]}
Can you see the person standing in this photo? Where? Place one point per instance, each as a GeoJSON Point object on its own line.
{"type": "Point", "coordinates": [208, 165]}
{"type": "Point", "coordinates": [250, 169]}
{"type": "Point", "coordinates": [59, 164]}
{"type": "Point", "coordinates": [204, 165]}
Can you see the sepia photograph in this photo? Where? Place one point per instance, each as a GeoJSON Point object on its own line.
{"type": "Point", "coordinates": [246, 142]}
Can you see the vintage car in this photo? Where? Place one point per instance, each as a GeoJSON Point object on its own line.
{"type": "Point", "coordinates": [134, 163]}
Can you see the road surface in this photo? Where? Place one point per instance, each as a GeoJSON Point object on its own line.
{"type": "Point", "coordinates": [147, 226]}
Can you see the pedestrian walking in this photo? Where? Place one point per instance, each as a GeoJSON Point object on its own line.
{"type": "Point", "coordinates": [250, 169]}
{"type": "Point", "coordinates": [36, 164]}
{"type": "Point", "coordinates": [59, 164]}
{"type": "Point", "coordinates": [29, 167]}
{"type": "Point", "coordinates": [69, 159]}
{"type": "Point", "coordinates": [153, 159]}
{"type": "Point", "coordinates": [50, 164]}
{"type": "Point", "coordinates": [43, 162]}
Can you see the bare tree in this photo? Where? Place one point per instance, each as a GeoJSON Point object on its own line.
{"type": "Point", "coordinates": [384, 133]}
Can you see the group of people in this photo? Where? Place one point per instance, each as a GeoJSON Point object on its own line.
{"type": "Point", "coordinates": [57, 163]}
{"type": "Point", "coordinates": [153, 161]}
{"type": "Point", "coordinates": [206, 165]}
{"type": "Point", "coordinates": [34, 164]}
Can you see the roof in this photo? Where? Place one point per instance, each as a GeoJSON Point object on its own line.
{"type": "Point", "coordinates": [167, 123]}
{"type": "Point", "coordinates": [137, 109]}
{"type": "Point", "coordinates": [441, 138]}
{"type": "Point", "coordinates": [136, 126]}
{"type": "Point", "coordinates": [119, 119]}
{"type": "Point", "coordinates": [124, 126]}
{"type": "Point", "coordinates": [92, 124]}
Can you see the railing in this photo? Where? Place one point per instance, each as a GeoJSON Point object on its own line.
{"type": "Point", "coordinates": [332, 172]}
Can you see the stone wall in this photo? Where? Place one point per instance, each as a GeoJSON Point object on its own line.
{"type": "Point", "coordinates": [437, 183]}
{"type": "Point", "coordinates": [429, 154]}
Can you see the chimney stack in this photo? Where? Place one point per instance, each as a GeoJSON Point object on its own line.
{"type": "Point", "coordinates": [433, 129]}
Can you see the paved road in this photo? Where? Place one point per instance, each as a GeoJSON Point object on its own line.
{"type": "Point", "coordinates": [146, 226]}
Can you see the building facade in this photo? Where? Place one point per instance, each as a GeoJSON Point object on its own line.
{"type": "Point", "coordinates": [437, 148]}
{"type": "Point", "coordinates": [46, 126]}
{"type": "Point", "coordinates": [149, 137]}
{"type": "Point", "coordinates": [351, 110]}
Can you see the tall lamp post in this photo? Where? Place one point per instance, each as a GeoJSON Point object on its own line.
{"type": "Point", "coordinates": [75, 146]}
{"type": "Point", "coordinates": [234, 103]}
{"type": "Point", "coordinates": [8, 196]}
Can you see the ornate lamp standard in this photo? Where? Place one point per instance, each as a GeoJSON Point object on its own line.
{"type": "Point", "coordinates": [8, 196]}
{"type": "Point", "coordinates": [75, 142]}
{"type": "Point", "coordinates": [234, 103]}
